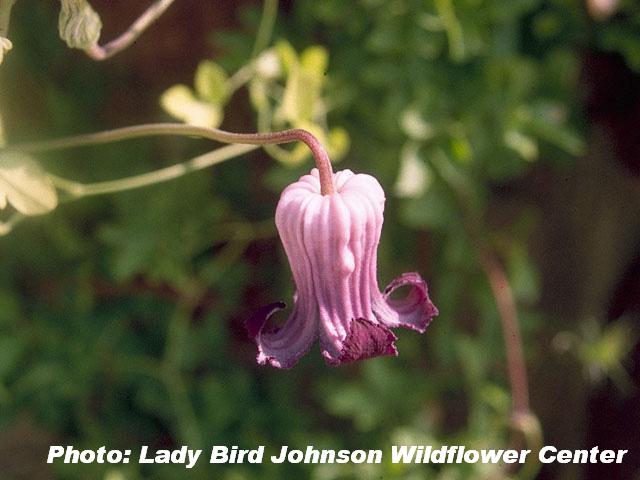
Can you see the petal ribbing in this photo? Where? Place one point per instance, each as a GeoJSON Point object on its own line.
{"type": "Point", "coordinates": [331, 242]}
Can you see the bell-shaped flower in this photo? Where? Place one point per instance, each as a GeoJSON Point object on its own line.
{"type": "Point", "coordinates": [331, 242]}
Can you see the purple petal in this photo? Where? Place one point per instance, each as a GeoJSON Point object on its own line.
{"type": "Point", "coordinates": [365, 340]}
{"type": "Point", "coordinates": [415, 311]}
{"type": "Point", "coordinates": [258, 320]}
{"type": "Point", "coordinates": [282, 346]}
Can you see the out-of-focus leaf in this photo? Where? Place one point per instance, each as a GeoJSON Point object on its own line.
{"type": "Point", "coordinates": [115, 474]}
{"type": "Point", "coordinates": [415, 126]}
{"type": "Point", "coordinates": [268, 65]}
{"type": "Point", "coordinates": [300, 96]}
{"type": "Point", "coordinates": [602, 350]}
{"type": "Point", "coordinates": [211, 82]}
{"type": "Point", "coordinates": [461, 148]}
{"type": "Point", "coordinates": [25, 185]}
{"type": "Point", "coordinates": [5, 46]}
{"type": "Point", "coordinates": [433, 210]}
{"type": "Point", "coordinates": [10, 351]}
{"type": "Point", "coordinates": [314, 60]}
{"type": "Point", "coordinates": [338, 143]}
{"type": "Point", "coordinates": [258, 95]}
{"type": "Point", "coordinates": [287, 56]}
{"type": "Point", "coordinates": [180, 102]}
{"type": "Point", "coordinates": [78, 24]}
{"type": "Point", "coordinates": [548, 122]}
{"type": "Point", "coordinates": [351, 401]}
{"type": "Point", "coordinates": [524, 145]}
{"type": "Point", "coordinates": [523, 275]}
{"type": "Point", "coordinates": [304, 86]}
{"type": "Point", "coordinates": [626, 41]}
{"type": "Point", "coordinates": [414, 177]}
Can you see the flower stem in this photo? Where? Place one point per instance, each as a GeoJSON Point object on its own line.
{"type": "Point", "coordinates": [155, 129]}
{"type": "Point", "coordinates": [451, 24]}
{"type": "Point", "coordinates": [506, 304]}
{"type": "Point", "coordinates": [98, 52]}
{"type": "Point", "coordinates": [522, 419]}
{"type": "Point", "coordinates": [268, 20]}
{"type": "Point", "coordinates": [79, 190]}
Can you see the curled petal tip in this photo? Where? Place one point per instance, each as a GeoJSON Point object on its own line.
{"type": "Point", "coordinates": [281, 346]}
{"type": "Point", "coordinates": [256, 323]}
{"type": "Point", "coordinates": [416, 310]}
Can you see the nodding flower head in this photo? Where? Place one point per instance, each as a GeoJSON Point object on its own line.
{"type": "Point", "coordinates": [331, 242]}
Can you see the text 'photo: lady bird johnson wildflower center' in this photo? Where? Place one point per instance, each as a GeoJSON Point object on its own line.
{"type": "Point", "coordinates": [320, 239]}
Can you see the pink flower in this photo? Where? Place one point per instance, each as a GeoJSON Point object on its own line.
{"type": "Point", "coordinates": [331, 242]}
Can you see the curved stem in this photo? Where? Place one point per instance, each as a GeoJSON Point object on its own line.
{"type": "Point", "coordinates": [451, 24]}
{"type": "Point", "coordinates": [78, 190]}
{"type": "Point", "coordinates": [506, 304]}
{"type": "Point", "coordinates": [268, 20]}
{"type": "Point", "coordinates": [501, 290]}
{"type": "Point", "coordinates": [152, 13]}
{"type": "Point", "coordinates": [242, 76]}
{"type": "Point", "coordinates": [155, 129]}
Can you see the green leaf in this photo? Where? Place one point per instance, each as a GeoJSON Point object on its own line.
{"type": "Point", "coordinates": [314, 60]}
{"type": "Point", "coordinates": [25, 185]}
{"type": "Point", "coordinates": [300, 96]}
{"type": "Point", "coordinates": [258, 95]}
{"type": "Point", "coordinates": [287, 56]}
{"type": "Point", "coordinates": [338, 143]}
{"type": "Point", "coordinates": [78, 24]}
{"type": "Point", "coordinates": [180, 102]}
{"type": "Point", "coordinates": [211, 82]}
{"type": "Point", "coordinates": [304, 85]}
{"type": "Point", "coordinates": [523, 144]}
{"type": "Point", "coordinates": [416, 127]}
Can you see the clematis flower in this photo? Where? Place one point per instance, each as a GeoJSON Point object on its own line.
{"type": "Point", "coordinates": [331, 242]}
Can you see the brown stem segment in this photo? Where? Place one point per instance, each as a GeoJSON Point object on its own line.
{"type": "Point", "coordinates": [155, 129]}
{"type": "Point", "coordinates": [513, 342]}
{"type": "Point", "coordinates": [98, 52]}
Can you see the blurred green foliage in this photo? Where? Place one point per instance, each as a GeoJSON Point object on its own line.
{"type": "Point", "coordinates": [121, 317]}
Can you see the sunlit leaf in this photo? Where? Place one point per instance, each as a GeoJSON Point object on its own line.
{"type": "Point", "coordinates": [258, 95]}
{"type": "Point", "coordinates": [180, 102]}
{"type": "Point", "coordinates": [524, 145]}
{"type": "Point", "coordinates": [5, 46]}
{"type": "Point", "coordinates": [287, 56]}
{"type": "Point", "coordinates": [315, 60]}
{"type": "Point", "coordinates": [338, 143]}
{"type": "Point", "coordinates": [413, 177]}
{"type": "Point", "coordinates": [415, 126]}
{"type": "Point", "coordinates": [300, 96]}
{"type": "Point", "coordinates": [211, 82]}
{"type": "Point", "coordinates": [267, 65]}
{"type": "Point", "coordinates": [25, 185]}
